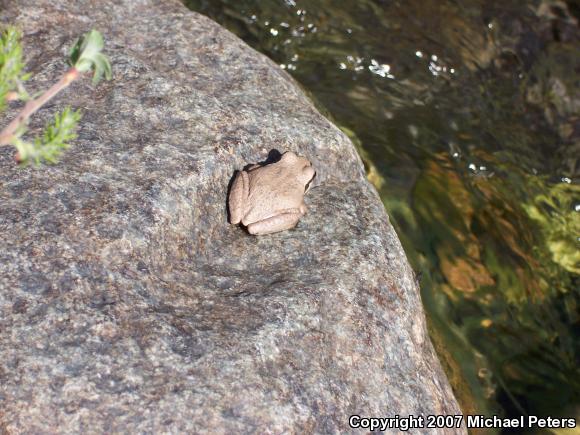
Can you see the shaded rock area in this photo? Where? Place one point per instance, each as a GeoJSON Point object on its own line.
{"type": "Point", "coordinates": [129, 304]}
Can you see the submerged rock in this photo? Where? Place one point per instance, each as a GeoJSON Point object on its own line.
{"type": "Point", "coordinates": [127, 301]}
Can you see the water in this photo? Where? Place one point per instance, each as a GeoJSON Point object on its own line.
{"type": "Point", "coordinates": [466, 114]}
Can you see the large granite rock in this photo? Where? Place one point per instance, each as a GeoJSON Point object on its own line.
{"type": "Point", "coordinates": [129, 304]}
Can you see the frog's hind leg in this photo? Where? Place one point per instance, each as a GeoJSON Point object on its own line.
{"type": "Point", "coordinates": [283, 221]}
{"type": "Point", "coordinates": [238, 195]}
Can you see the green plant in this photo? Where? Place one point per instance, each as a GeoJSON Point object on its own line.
{"type": "Point", "coordinates": [84, 56]}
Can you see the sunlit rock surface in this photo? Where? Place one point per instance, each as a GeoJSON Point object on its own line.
{"type": "Point", "coordinates": [129, 304]}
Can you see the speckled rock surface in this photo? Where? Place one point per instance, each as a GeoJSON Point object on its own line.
{"type": "Point", "coordinates": [129, 304]}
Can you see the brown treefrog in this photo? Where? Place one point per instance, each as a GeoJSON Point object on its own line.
{"type": "Point", "coordinates": [267, 199]}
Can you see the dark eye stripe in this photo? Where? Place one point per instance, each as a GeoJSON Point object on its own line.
{"type": "Point", "coordinates": [308, 184]}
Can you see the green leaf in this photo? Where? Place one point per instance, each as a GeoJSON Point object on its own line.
{"type": "Point", "coordinates": [56, 138]}
{"type": "Point", "coordinates": [87, 55]}
{"type": "Point", "coordinates": [11, 65]}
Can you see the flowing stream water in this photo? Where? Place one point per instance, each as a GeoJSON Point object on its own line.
{"type": "Point", "coordinates": [467, 115]}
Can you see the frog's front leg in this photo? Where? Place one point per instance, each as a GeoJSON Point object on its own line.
{"type": "Point", "coordinates": [284, 220]}
{"type": "Point", "coordinates": [238, 196]}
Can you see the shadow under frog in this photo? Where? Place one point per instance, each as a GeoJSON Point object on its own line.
{"type": "Point", "coordinates": [269, 197]}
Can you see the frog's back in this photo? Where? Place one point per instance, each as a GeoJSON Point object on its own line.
{"type": "Point", "coordinates": [272, 189]}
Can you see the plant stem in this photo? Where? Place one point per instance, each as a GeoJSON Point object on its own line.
{"type": "Point", "coordinates": [7, 135]}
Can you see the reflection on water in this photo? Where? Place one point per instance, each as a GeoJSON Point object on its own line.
{"type": "Point", "coordinates": [467, 115]}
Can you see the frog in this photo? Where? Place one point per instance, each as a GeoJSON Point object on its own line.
{"type": "Point", "coordinates": [270, 198]}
